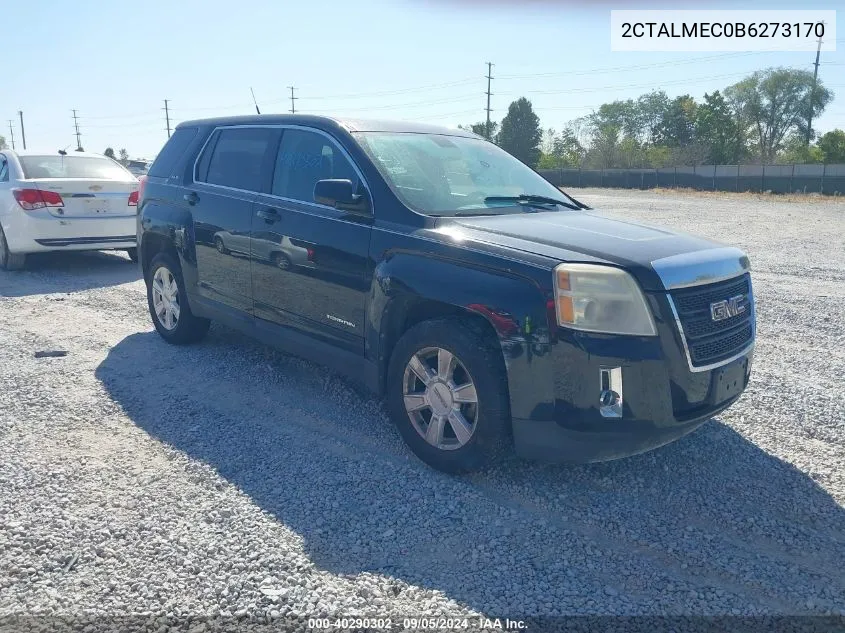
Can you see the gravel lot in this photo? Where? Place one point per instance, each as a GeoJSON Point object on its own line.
{"type": "Point", "coordinates": [226, 478]}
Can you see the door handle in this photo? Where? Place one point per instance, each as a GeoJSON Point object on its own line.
{"type": "Point", "coordinates": [191, 198]}
{"type": "Point", "coordinates": [268, 215]}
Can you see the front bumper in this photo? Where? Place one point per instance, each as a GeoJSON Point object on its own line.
{"type": "Point", "coordinates": [36, 231]}
{"type": "Point", "coordinates": [654, 413]}
{"type": "Point", "coordinates": [564, 418]}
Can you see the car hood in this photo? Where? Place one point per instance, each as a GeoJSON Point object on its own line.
{"type": "Point", "coordinates": [582, 236]}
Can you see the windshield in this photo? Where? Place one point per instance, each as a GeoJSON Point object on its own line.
{"type": "Point", "coordinates": [442, 175]}
{"type": "Point", "coordinates": [72, 167]}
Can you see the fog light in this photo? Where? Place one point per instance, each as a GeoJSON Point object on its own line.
{"type": "Point", "coordinates": [610, 393]}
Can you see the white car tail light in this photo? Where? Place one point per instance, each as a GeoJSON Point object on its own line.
{"type": "Point", "coordinates": [31, 199]}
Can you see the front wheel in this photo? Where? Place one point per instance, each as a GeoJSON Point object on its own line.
{"type": "Point", "coordinates": [168, 303]}
{"type": "Point", "coordinates": [448, 394]}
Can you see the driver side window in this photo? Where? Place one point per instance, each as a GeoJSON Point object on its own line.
{"type": "Point", "coordinates": [304, 158]}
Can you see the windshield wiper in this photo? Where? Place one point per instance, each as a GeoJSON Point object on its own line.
{"type": "Point", "coordinates": [530, 198]}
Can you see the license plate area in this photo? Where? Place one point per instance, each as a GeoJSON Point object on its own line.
{"type": "Point", "coordinates": [728, 381]}
{"type": "Point", "coordinates": [96, 206]}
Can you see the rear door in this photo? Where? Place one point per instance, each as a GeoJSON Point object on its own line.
{"type": "Point", "coordinates": [90, 186]}
{"type": "Point", "coordinates": [232, 168]}
{"type": "Point", "coordinates": [310, 260]}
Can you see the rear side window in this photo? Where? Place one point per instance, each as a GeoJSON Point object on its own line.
{"type": "Point", "coordinates": [234, 158]}
{"type": "Point", "coordinates": [172, 151]}
{"type": "Point", "coordinates": [72, 167]}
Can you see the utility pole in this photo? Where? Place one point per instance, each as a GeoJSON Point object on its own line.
{"type": "Point", "coordinates": [813, 94]}
{"type": "Point", "coordinates": [489, 76]}
{"type": "Point", "coordinates": [12, 133]}
{"type": "Point", "coordinates": [23, 132]}
{"type": "Point", "coordinates": [167, 116]}
{"type": "Point", "coordinates": [76, 125]}
{"type": "Point", "coordinates": [292, 99]}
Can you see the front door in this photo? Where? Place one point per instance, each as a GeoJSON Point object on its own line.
{"type": "Point", "coordinates": [233, 167]}
{"type": "Point", "coordinates": [310, 260]}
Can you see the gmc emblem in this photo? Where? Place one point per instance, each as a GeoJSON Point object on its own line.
{"type": "Point", "coordinates": [727, 308]}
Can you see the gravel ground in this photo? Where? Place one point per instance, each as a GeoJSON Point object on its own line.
{"type": "Point", "coordinates": [228, 479]}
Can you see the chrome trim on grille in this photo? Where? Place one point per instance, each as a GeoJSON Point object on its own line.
{"type": "Point", "coordinates": [720, 363]}
{"type": "Point", "coordinates": [701, 267]}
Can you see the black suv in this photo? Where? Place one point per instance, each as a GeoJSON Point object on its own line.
{"type": "Point", "coordinates": [485, 304]}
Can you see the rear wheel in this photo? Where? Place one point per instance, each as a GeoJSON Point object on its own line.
{"type": "Point", "coordinates": [168, 304]}
{"type": "Point", "coordinates": [282, 261]}
{"type": "Point", "coordinates": [220, 246]}
{"type": "Point", "coordinates": [447, 393]}
{"type": "Point", "coordinates": [10, 261]}
{"type": "Point", "coordinates": [133, 254]}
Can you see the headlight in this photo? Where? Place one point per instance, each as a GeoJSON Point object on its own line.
{"type": "Point", "coordinates": [599, 298]}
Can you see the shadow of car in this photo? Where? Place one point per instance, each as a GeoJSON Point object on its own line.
{"type": "Point", "coordinates": [712, 511]}
{"type": "Point", "coordinates": [69, 272]}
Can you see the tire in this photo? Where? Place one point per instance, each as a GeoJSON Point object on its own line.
{"type": "Point", "coordinates": [220, 246]}
{"type": "Point", "coordinates": [282, 261]}
{"type": "Point", "coordinates": [133, 254]}
{"type": "Point", "coordinates": [478, 362]}
{"type": "Point", "coordinates": [10, 261]}
{"type": "Point", "coordinates": [185, 328]}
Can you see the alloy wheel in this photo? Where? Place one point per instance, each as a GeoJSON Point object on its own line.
{"type": "Point", "coordinates": [166, 298]}
{"type": "Point", "coordinates": [440, 398]}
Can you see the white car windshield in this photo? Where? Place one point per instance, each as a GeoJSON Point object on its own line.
{"type": "Point", "coordinates": [72, 167]}
{"type": "Point", "coordinates": [443, 175]}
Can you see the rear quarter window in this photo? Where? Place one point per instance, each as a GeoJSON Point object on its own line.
{"type": "Point", "coordinates": [236, 158]}
{"type": "Point", "coordinates": [172, 152]}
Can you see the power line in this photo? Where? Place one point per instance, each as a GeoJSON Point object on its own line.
{"type": "Point", "coordinates": [167, 117]}
{"type": "Point", "coordinates": [292, 99]}
{"type": "Point", "coordinates": [414, 104]}
{"type": "Point", "coordinates": [387, 93]}
{"type": "Point", "coordinates": [613, 69]}
{"type": "Point", "coordinates": [489, 79]}
{"type": "Point", "coordinates": [76, 126]}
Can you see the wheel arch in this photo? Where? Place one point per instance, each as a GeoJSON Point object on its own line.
{"type": "Point", "coordinates": [508, 307]}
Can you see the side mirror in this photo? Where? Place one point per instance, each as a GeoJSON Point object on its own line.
{"type": "Point", "coordinates": [340, 194]}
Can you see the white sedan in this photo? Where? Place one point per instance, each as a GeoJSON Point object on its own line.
{"type": "Point", "coordinates": [64, 201]}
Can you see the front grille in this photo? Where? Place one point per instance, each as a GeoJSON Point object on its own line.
{"type": "Point", "coordinates": [710, 341]}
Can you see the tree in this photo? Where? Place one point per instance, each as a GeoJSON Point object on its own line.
{"type": "Point", "coordinates": [775, 102]}
{"type": "Point", "coordinates": [124, 156]}
{"type": "Point", "coordinates": [647, 115]}
{"type": "Point", "coordinates": [109, 152]}
{"type": "Point", "coordinates": [796, 150]}
{"type": "Point", "coordinates": [718, 130]}
{"type": "Point", "coordinates": [562, 150]}
{"type": "Point", "coordinates": [676, 127]}
{"type": "Point", "coordinates": [3, 143]}
{"type": "Point", "coordinates": [832, 147]}
{"type": "Point", "coordinates": [481, 129]}
{"type": "Point", "coordinates": [520, 133]}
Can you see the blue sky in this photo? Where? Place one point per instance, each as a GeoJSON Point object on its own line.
{"type": "Point", "coordinates": [116, 61]}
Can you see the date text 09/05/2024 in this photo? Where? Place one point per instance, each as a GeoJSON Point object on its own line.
{"type": "Point", "coordinates": [420, 624]}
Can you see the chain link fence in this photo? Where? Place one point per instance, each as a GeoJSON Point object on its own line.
{"type": "Point", "coordinates": [823, 179]}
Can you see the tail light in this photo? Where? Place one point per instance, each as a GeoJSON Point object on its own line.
{"type": "Point", "coordinates": [32, 199]}
{"type": "Point", "coordinates": [137, 195]}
